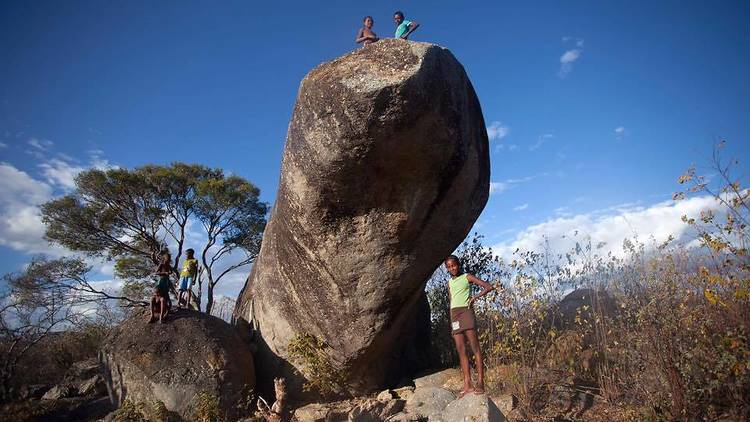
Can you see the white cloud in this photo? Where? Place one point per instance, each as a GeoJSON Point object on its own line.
{"type": "Point", "coordinates": [609, 227]}
{"type": "Point", "coordinates": [3, 145]}
{"type": "Point", "coordinates": [521, 207]}
{"type": "Point", "coordinates": [620, 133]}
{"type": "Point", "coordinates": [543, 139]}
{"type": "Point", "coordinates": [570, 55]}
{"type": "Point", "coordinates": [21, 227]}
{"type": "Point", "coordinates": [60, 173]}
{"type": "Point", "coordinates": [498, 187]}
{"type": "Point", "coordinates": [40, 144]}
{"type": "Point", "coordinates": [497, 130]}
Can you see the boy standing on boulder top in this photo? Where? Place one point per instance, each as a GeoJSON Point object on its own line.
{"type": "Point", "coordinates": [403, 27]}
{"type": "Point", "coordinates": [187, 278]}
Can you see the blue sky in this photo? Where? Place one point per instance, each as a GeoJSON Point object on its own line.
{"type": "Point", "coordinates": [597, 106]}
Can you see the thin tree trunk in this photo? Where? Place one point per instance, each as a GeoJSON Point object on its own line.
{"type": "Point", "coordinates": [210, 296]}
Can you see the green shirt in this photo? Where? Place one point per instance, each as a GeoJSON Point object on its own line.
{"type": "Point", "coordinates": [402, 28]}
{"type": "Point", "coordinates": [460, 291]}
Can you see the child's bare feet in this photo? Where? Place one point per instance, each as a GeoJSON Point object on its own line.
{"type": "Point", "coordinates": [152, 320]}
{"type": "Point", "coordinates": [464, 392]}
{"type": "Point", "coordinates": [479, 389]}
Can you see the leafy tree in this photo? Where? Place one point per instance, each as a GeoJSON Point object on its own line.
{"type": "Point", "coordinates": [231, 215]}
{"type": "Point", "coordinates": [130, 216]}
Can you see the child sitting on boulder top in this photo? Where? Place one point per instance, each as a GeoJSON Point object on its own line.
{"type": "Point", "coordinates": [158, 306]}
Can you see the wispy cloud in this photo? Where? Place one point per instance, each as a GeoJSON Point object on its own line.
{"type": "Point", "coordinates": [497, 130]}
{"type": "Point", "coordinates": [574, 50]}
{"type": "Point", "coordinates": [521, 207]}
{"type": "Point", "coordinates": [40, 144]}
{"type": "Point", "coordinates": [500, 187]}
{"type": "Point", "coordinates": [3, 145]}
{"type": "Point", "coordinates": [543, 139]}
{"type": "Point", "coordinates": [620, 133]}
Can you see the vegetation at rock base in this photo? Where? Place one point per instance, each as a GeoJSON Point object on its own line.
{"type": "Point", "coordinates": [131, 412]}
{"type": "Point", "coordinates": [47, 322]}
{"type": "Point", "coordinates": [207, 408]}
{"type": "Point", "coordinates": [319, 370]}
{"type": "Point", "coordinates": [130, 216]}
{"type": "Point", "coordinates": [659, 332]}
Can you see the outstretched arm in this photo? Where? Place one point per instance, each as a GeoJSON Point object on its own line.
{"type": "Point", "coordinates": [412, 27]}
{"type": "Point", "coordinates": [486, 287]}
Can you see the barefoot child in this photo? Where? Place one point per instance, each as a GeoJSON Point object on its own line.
{"type": "Point", "coordinates": [157, 305]}
{"type": "Point", "coordinates": [365, 34]}
{"type": "Point", "coordinates": [463, 324]}
{"type": "Point", "coordinates": [160, 300]}
{"type": "Point", "coordinates": [187, 278]}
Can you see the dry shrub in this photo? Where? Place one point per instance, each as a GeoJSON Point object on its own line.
{"type": "Point", "coordinates": [661, 335]}
{"type": "Point", "coordinates": [321, 374]}
{"type": "Point", "coordinates": [207, 408]}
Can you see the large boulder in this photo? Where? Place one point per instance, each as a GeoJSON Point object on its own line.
{"type": "Point", "coordinates": [191, 355]}
{"type": "Point", "coordinates": [385, 170]}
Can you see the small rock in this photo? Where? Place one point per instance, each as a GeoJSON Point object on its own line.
{"type": "Point", "coordinates": [386, 395]}
{"type": "Point", "coordinates": [475, 408]}
{"type": "Point", "coordinates": [84, 369]}
{"type": "Point", "coordinates": [404, 393]}
{"type": "Point", "coordinates": [506, 403]}
{"type": "Point", "coordinates": [93, 386]}
{"type": "Point", "coordinates": [375, 410]}
{"type": "Point", "coordinates": [403, 417]}
{"type": "Point", "coordinates": [58, 392]}
{"type": "Point", "coordinates": [314, 412]}
{"type": "Point", "coordinates": [444, 379]}
{"type": "Point", "coordinates": [429, 402]}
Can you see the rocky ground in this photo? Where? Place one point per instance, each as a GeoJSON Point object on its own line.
{"type": "Point", "coordinates": [80, 396]}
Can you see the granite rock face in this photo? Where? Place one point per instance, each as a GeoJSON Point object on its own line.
{"type": "Point", "coordinates": [191, 353]}
{"type": "Point", "coordinates": [385, 170]}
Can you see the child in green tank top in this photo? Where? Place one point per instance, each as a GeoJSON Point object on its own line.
{"type": "Point", "coordinates": [463, 323]}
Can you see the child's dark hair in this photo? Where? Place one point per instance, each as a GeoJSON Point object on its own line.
{"type": "Point", "coordinates": [453, 258]}
{"type": "Point", "coordinates": [399, 14]}
{"type": "Point", "coordinates": [190, 251]}
{"type": "Point", "coordinates": [368, 17]}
